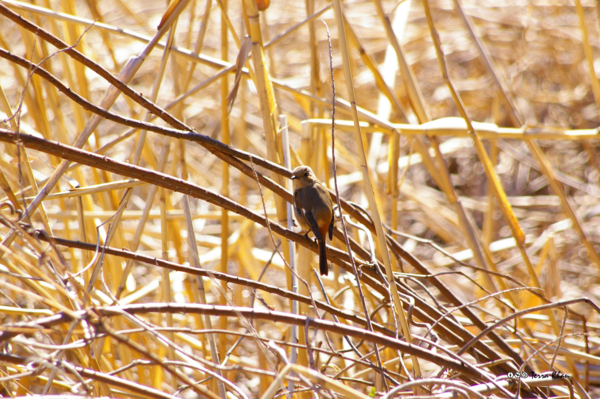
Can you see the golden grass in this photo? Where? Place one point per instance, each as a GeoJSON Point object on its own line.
{"type": "Point", "coordinates": [146, 249]}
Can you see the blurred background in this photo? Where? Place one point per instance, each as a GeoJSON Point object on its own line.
{"type": "Point", "coordinates": [536, 99]}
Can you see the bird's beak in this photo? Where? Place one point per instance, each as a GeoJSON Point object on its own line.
{"type": "Point", "coordinates": [294, 177]}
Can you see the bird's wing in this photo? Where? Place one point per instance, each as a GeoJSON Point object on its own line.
{"type": "Point", "coordinates": [331, 227]}
{"type": "Point", "coordinates": [299, 211]}
{"type": "Point", "coordinates": [314, 226]}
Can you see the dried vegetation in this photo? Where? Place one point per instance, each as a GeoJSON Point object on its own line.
{"type": "Point", "coordinates": [136, 260]}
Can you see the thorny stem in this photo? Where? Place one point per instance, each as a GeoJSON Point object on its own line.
{"type": "Point", "coordinates": [339, 205]}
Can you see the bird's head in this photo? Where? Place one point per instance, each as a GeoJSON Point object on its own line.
{"type": "Point", "coordinates": [303, 176]}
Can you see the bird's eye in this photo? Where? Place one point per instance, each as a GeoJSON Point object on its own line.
{"type": "Point", "coordinates": [306, 174]}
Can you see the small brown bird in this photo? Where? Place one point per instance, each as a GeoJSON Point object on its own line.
{"type": "Point", "coordinates": [314, 209]}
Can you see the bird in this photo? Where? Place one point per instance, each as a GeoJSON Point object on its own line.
{"type": "Point", "coordinates": [314, 209]}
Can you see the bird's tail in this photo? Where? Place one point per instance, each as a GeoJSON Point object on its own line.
{"type": "Point", "coordinates": [323, 258]}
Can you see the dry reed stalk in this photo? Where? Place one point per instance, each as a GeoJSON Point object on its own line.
{"type": "Point", "coordinates": [443, 177]}
{"type": "Point", "coordinates": [226, 139]}
{"type": "Point", "coordinates": [546, 168]}
{"type": "Point", "coordinates": [48, 320]}
{"type": "Point", "coordinates": [589, 56]}
{"type": "Point", "coordinates": [360, 139]}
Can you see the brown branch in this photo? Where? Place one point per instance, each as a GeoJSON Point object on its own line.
{"type": "Point", "coordinates": [524, 312]}
{"type": "Point", "coordinates": [222, 151]}
{"type": "Point", "coordinates": [162, 180]}
{"type": "Point", "coordinates": [449, 295]}
{"type": "Point", "coordinates": [228, 153]}
{"type": "Point", "coordinates": [449, 329]}
{"type": "Point", "coordinates": [219, 149]}
{"type": "Point", "coordinates": [95, 375]}
{"type": "Point", "coordinates": [338, 257]}
{"type": "Point", "coordinates": [229, 311]}
{"type": "Point", "coordinates": [99, 69]}
{"type": "Point", "coordinates": [218, 275]}
{"type": "Point", "coordinates": [126, 340]}
{"type": "Point", "coordinates": [287, 318]}
{"type": "Point", "coordinates": [184, 133]}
